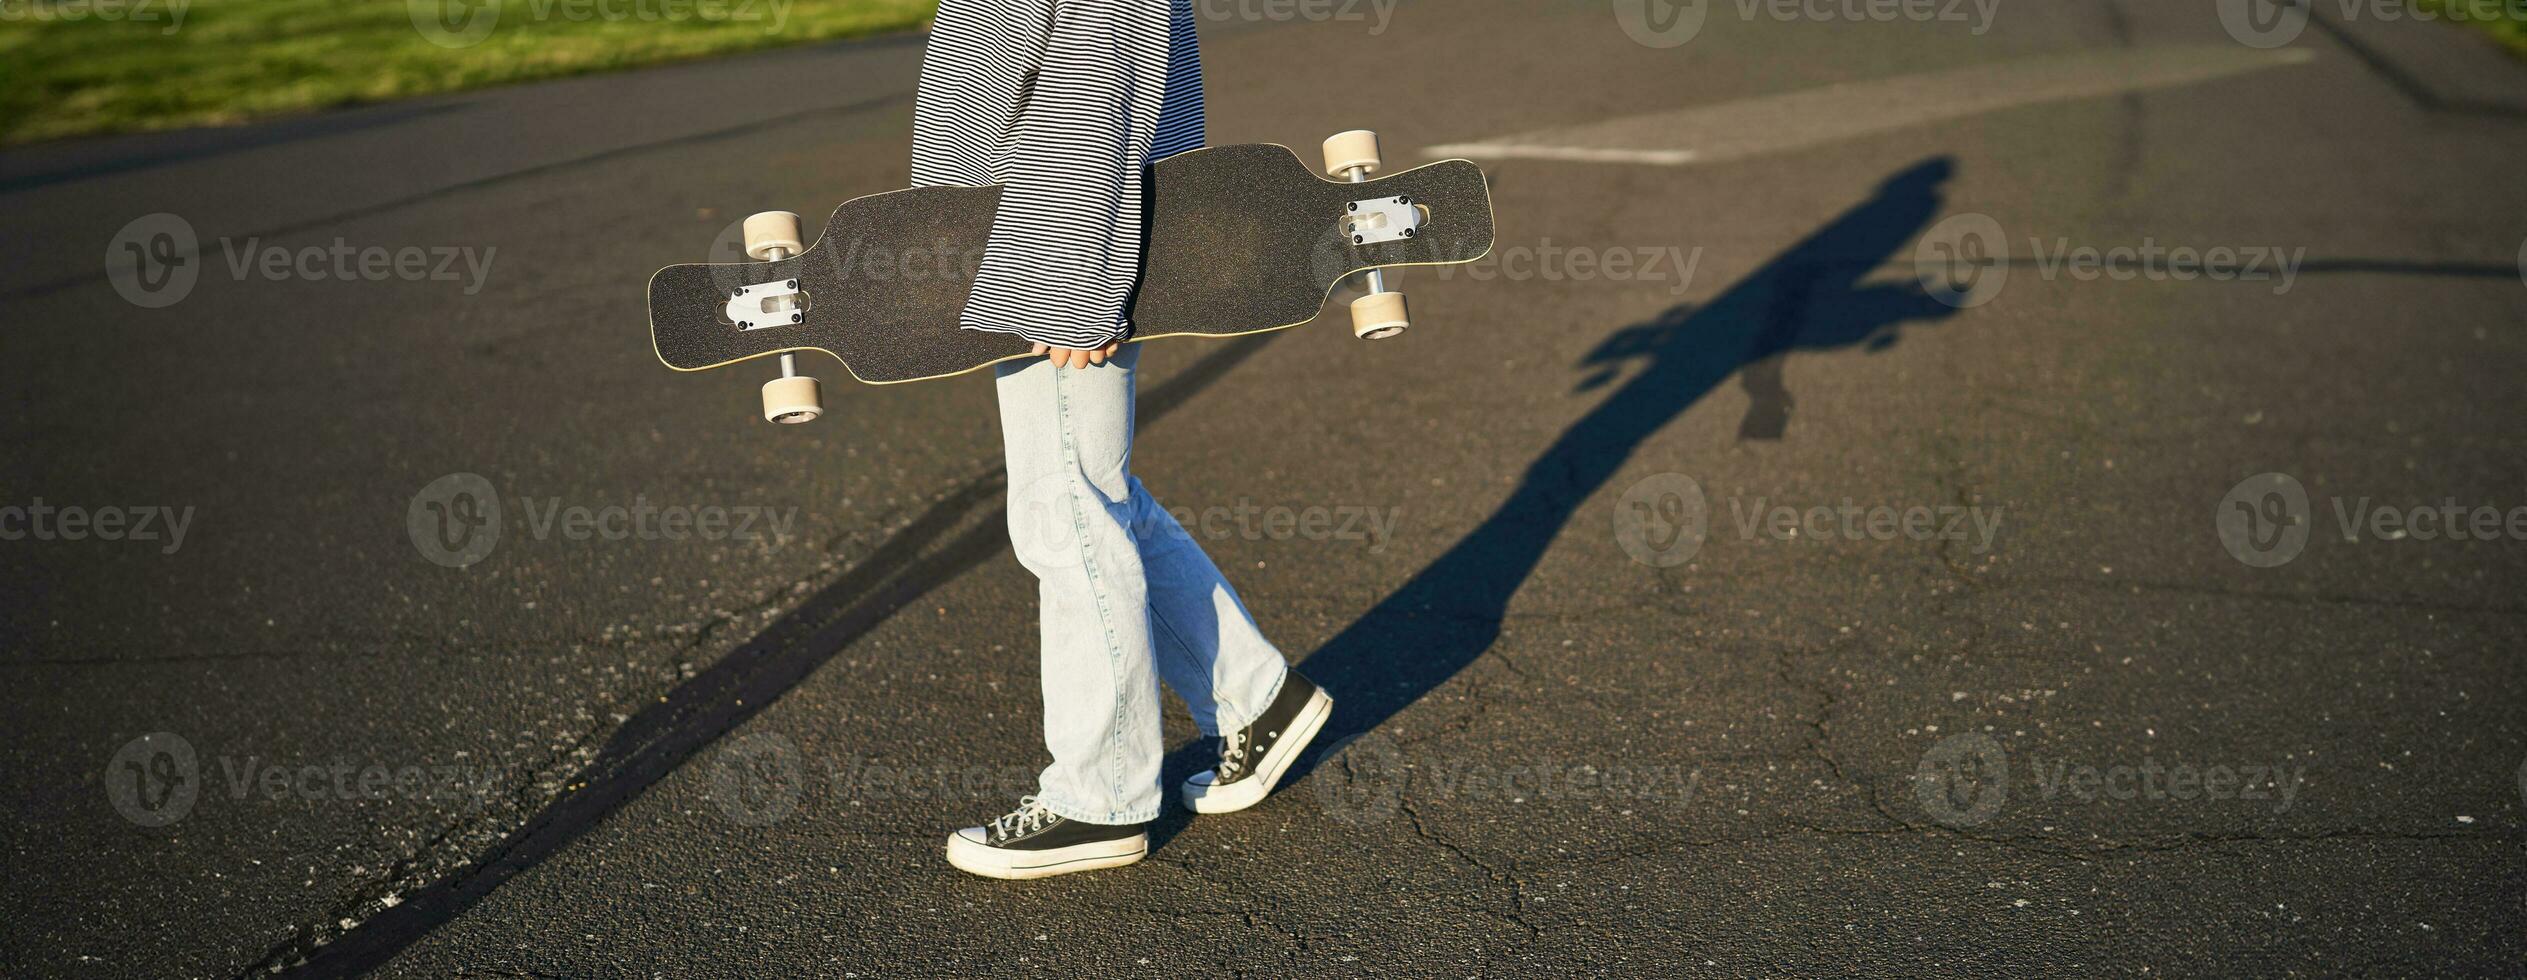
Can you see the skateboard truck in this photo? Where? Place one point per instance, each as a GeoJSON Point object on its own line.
{"type": "Point", "coordinates": [766, 304]}
{"type": "Point", "coordinates": [1382, 219]}
{"type": "Point", "coordinates": [770, 237]}
{"type": "Point", "coordinates": [1353, 156]}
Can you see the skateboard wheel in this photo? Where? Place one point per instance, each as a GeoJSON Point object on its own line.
{"type": "Point", "coordinates": [1378, 316]}
{"type": "Point", "coordinates": [793, 400]}
{"type": "Point", "coordinates": [768, 230]}
{"type": "Point", "coordinates": [1357, 148]}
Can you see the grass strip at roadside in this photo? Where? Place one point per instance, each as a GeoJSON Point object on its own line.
{"type": "Point", "coordinates": [88, 67]}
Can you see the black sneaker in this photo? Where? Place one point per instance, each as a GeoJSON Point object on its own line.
{"type": "Point", "coordinates": [1252, 759]}
{"type": "Point", "coordinates": [1033, 842]}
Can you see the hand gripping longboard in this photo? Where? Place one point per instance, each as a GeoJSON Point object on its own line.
{"type": "Point", "coordinates": [1241, 239]}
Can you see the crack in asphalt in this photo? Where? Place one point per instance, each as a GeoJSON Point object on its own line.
{"type": "Point", "coordinates": [916, 556]}
{"type": "Point", "coordinates": [542, 792]}
{"type": "Point", "coordinates": [1517, 887]}
{"type": "Point", "coordinates": [544, 781]}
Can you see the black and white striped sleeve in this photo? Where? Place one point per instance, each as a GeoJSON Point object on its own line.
{"type": "Point", "coordinates": [1063, 103]}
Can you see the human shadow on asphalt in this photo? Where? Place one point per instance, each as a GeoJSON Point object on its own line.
{"type": "Point", "coordinates": [1810, 297]}
{"type": "Point", "coordinates": [954, 535]}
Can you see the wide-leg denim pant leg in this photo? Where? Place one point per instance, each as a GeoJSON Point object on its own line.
{"type": "Point", "coordinates": [1127, 597]}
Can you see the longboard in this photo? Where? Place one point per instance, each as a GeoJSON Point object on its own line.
{"type": "Point", "coordinates": [1241, 239]}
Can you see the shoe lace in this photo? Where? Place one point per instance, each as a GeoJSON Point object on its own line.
{"type": "Point", "coordinates": [1233, 753]}
{"type": "Point", "coordinates": [1029, 817]}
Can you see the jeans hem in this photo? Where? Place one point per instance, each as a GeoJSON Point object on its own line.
{"type": "Point", "coordinates": [1069, 811]}
{"type": "Point", "coordinates": [1271, 695]}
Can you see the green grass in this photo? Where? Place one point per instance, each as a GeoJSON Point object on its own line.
{"type": "Point", "coordinates": [226, 61]}
{"type": "Point", "coordinates": [2505, 20]}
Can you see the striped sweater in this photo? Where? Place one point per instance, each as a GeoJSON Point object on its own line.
{"type": "Point", "coordinates": [1063, 103]}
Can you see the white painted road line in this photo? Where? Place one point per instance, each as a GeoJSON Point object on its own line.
{"type": "Point", "coordinates": [1501, 151]}
{"type": "Point", "coordinates": [1796, 120]}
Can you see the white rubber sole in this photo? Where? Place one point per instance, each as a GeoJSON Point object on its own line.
{"type": "Point", "coordinates": [973, 856]}
{"type": "Point", "coordinates": [1200, 797]}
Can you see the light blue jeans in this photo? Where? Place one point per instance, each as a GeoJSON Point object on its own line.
{"type": "Point", "coordinates": [1128, 598]}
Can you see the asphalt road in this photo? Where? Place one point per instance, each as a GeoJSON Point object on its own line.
{"type": "Point", "coordinates": [2033, 491]}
